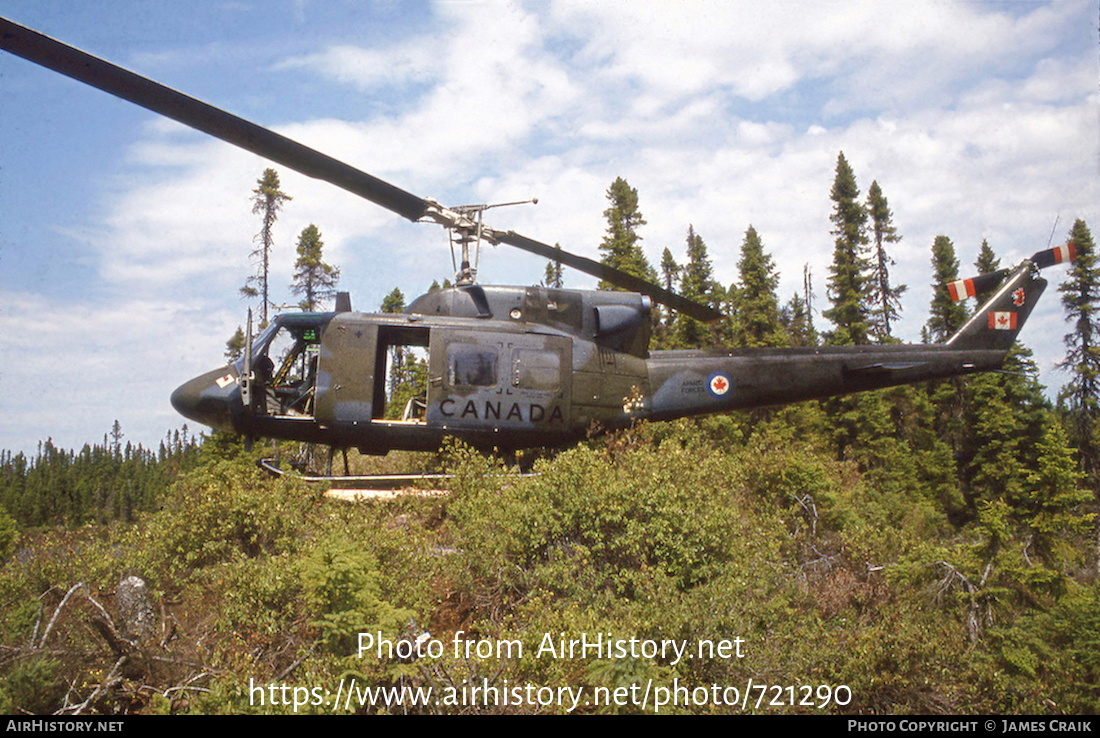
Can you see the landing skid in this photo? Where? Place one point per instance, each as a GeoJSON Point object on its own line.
{"type": "Point", "coordinates": [387, 486]}
{"type": "Point", "coordinates": [374, 481]}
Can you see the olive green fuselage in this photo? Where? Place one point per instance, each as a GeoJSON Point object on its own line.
{"type": "Point", "coordinates": [511, 367]}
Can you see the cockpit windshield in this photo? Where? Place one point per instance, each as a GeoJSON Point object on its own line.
{"type": "Point", "coordinates": [260, 344]}
{"type": "Point", "coordinates": [287, 330]}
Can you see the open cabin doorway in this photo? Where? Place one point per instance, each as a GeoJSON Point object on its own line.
{"type": "Point", "coordinates": [401, 376]}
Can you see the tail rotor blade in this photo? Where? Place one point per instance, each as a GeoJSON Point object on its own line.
{"type": "Point", "coordinates": [1056, 255]}
{"type": "Point", "coordinates": [964, 288]}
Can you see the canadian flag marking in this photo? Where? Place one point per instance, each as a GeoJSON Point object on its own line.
{"type": "Point", "coordinates": [1001, 320]}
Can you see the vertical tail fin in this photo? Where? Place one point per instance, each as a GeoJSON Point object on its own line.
{"type": "Point", "coordinates": [996, 323]}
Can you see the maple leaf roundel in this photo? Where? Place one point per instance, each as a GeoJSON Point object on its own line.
{"type": "Point", "coordinates": [718, 384]}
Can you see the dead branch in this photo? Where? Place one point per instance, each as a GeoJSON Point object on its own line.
{"type": "Point", "coordinates": [109, 681]}
{"type": "Point", "coordinates": [56, 612]}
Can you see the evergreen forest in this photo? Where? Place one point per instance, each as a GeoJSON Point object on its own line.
{"type": "Point", "coordinates": [928, 549]}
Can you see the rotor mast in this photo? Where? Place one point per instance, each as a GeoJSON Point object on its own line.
{"type": "Point", "coordinates": [465, 226]}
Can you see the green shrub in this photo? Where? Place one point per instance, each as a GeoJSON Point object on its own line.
{"type": "Point", "coordinates": [342, 591]}
{"type": "Point", "coordinates": [608, 520]}
{"type": "Point", "coordinates": [33, 686]}
{"type": "Point", "coordinates": [223, 511]}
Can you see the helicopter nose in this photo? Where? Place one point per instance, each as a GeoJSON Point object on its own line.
{"type": "Point", "coordinates": [209, 398]}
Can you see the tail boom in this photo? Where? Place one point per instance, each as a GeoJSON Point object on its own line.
{"type": "Point", "coordinates": [697, 383]}
{"type": "Point", "coordinates": [700, 382]}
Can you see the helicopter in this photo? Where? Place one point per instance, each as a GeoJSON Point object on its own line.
{"type": "Point", "coordinates": [511, 367]}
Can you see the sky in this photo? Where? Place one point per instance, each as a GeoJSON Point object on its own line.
{"type": "Point", "coordinates": [124, 238]}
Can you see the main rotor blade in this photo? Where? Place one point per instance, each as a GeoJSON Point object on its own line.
{"type": "Point", "coordinates": [108, 77]}
{"type": "Point", "coordinates": [139, 90]}
{"type": "Point", "coordinates": [619, 278]}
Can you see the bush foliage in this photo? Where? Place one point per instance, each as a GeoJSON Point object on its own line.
{"type": "Point", "coordinates": [826, 572]}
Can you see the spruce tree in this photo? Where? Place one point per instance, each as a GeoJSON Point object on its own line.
{"type": "Point", "coordinates": [116, 440]}
{"type": "Point", "coordinates": [234, 347]}
{"type": "Point", "coordinates": [853, 418]}
{"type": "Point", "coordinates": [950, 398]}
{"type": "Point", "coordinates": [696, 284]}
{"type": "Point", "coordinates": [847, 280]}
{"type": "Point", "coordinates": [1031, 523]}
{"type": "Point", "coordinates": [997, 421]}
{"type": "Point", "coordinates": [885, 299]}
{"type": "Point", "coordinates": [267, 200]}
{"type": "Point", "coordinates": [670, 274]}
{"type": "Point", "coordinates": [1054, 504]}
{"type": "Point", "coordinates": [554, 276]}
{"type": "Point", "coordinates": [992, 451]}
{"type": "Point", "coordinates": [670, 270]}
{"type": "Point", "coordinates": [393, 302]}
{"type": "Point", "coordinates": [986, 263]}
{"type": "Point", "coordinates": [795, 319]}
{"type": "Point", "coordinates": [757, 318]}
{"type": "Point", "coordinates": [1080, 398]}
{"type": "Point", "coordinates": [314, 280]}
{"type": "Point", "coordinates": [946, 316]}
{"type": "Point", "coordinates": [620, 245]}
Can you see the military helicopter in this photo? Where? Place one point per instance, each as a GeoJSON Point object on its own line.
{"type": "Point", "coordinates": [510, 368]}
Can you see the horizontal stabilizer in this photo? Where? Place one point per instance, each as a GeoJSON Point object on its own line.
{"type": "Point", "coordinates": [883, 367]}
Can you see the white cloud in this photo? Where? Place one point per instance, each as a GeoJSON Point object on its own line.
{"type": "Point", "coordinates": [81, 366]}
{"type": "Point", "coordinates": [369, 69]}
